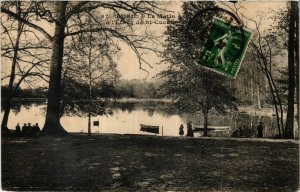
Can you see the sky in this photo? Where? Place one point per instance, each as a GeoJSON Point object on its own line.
{"type": "Point", "coordinates": [128, 64]}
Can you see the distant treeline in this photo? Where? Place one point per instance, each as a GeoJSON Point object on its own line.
{"type": "Point", "coordinates": [123, 89]}
{"type": "Point", "coordinates": [138, 89]}
{"type": "Point", "coordinates": [40, 92]}
{"type": "Point", "coordinates": [141, 89]}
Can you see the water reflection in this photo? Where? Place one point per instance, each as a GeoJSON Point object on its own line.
{"type": "Point", "coordinates": [126, 118]}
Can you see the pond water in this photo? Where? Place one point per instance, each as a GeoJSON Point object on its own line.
{"type": "Point", "coordinates": [126, 118]}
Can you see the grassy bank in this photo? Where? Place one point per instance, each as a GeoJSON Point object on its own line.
{"type": "Point", "coordinates": [135, 163]}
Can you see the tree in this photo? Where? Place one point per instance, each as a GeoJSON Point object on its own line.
{"type": "Point", "coordinates": [265, 46]}
{"type": "Point", "coordinates": [192, 87]}
{"type": "Point", "coordinates": [18, 44]}
{"type": "Point", "coordinates": [32, 92]}
{"type": "Point", "coordinates": [287, 28]}
{"type": "Point", "coordinates": [64, 16]}
{"type": "Point", "coordinates": [250, 83]}
{"type": "Point", "coordinates": [134, 88]}
{"type": "Point", "coordinates": [293, 9]}
{"type": "Point", "coordinates": [263, 54]}
{"type": "Point", "coordinates": [89, 67]}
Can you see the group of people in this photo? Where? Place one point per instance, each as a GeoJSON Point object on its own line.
{"type": "Point", "coordinates": [190, 132]}
{"type": "Point", "coordinates": [28, 130]}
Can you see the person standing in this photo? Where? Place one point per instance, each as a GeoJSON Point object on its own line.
{"type": "Point", "coordinates": [181, 132]}
{"type": "Point", "coordinates": [18, 130]}
{"type": "Point", "coordinates": [30, 131]}
{"type": "Point", "coordinates": [24, 130]}
{"type": "Point", "coordinates": [190, 130]}
{"type": "Point", "coordinates": [36, 129]}
{"type": "Point", "coordinates": [260, 129]}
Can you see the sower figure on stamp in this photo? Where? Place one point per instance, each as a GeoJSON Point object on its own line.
{"type": "Point", "coordinates": [222, 44]}
{"type": "Point", "coordinates": [260, 129]}
{"type": "Point", "coordinates": [181, 132]}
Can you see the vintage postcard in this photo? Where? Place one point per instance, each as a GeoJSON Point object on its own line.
{"type": "Point", "coordinates": [150, 96]}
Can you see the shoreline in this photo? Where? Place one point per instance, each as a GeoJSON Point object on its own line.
{"type": "Point", "coordinates": [159, 137]}
{"type": "Point", "coordinates": [248, 109]}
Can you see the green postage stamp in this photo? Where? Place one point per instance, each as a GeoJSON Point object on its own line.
{"type": "Point", "coordinates": [225, 48]}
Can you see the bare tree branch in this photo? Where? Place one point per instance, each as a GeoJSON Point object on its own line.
{"type": "Point", "coordinates": [17, 17]}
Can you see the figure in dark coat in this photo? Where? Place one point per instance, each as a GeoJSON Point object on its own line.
{"type": "Point", "coordinates": [181, 132]}
{"type": "Point", "coordinates": [18, 130]}
{"type": "Point", "coordinates": [36, 129]}
{"type": "Point", "coordinates": [190, 132]}
{"type": "Point", "coordinates": [24, 130]}
{"type": "Point", "coordinates": [30, 130]}
{"type": "Point", "coordinates": [260, 129]}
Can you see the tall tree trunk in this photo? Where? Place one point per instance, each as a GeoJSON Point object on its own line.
{"type": "Point", "coordinates": [251, 90]}
{"type": "Point", "coordinates": [263, 62]}
{"type": "Point", "coordinates": [11, 89]}
{"type": "Point", "coordinates": [297, 62]}
{"type": "Point", "coordinates": [63, 88]}
{"type": "Point", "coordinates": [276, 94]}
{"type": "Point", "coordinates": [276, 101]}
{"type": "Point", "coordinates": [289, 128]}
{"type": "Point", "coordinates": [90, 79]}
{"type": "Point", "coordinates": [4, 128]}
{"type": "Point", "coordinates": [258, 97]}
{"type": "Point", "coordinates": [52, 125]}
{"type": "Point", "coordinates": [90, 91]}
{"type": "Point", "coordinates": [205, 126]}
{"type": "Point", "coordinates": [89, 124]}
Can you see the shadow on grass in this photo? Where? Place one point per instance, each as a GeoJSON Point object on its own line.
{"type": "Point", "coordinates": [126, 162]}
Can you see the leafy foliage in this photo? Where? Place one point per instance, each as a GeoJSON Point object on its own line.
{"type": "Point", "coordinates": [90, 73]}
{"type": "Point", "coordinates": [192, 87]}
{"type": "Point", "coordinates": [137, 89]}
{"type": "Point", "coordinates": [40, 92]}
{"type": "Point", "coordinates": [76, 99]}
